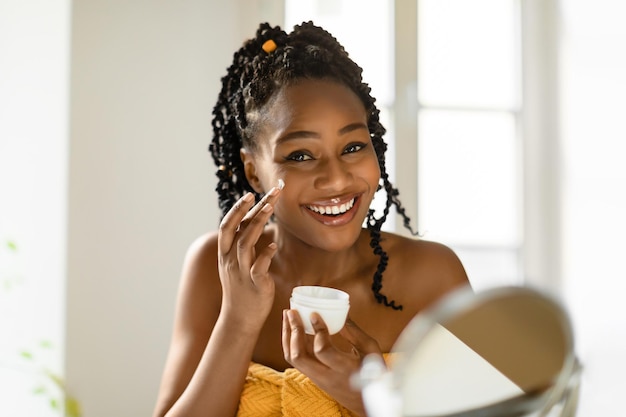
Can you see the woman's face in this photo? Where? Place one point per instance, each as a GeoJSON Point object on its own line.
{"type": "Point", "coordinates": [314, 136]}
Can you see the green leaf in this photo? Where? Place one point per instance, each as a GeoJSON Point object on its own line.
{"type": "Point", "coordinates": [46, 344]}
{"type": "Point", "coordinates": [11, 245]}
{"type": "Point", "coordinates": [72, 408]}
{"type": "Point", "coordinates": [26, 355]}
{"type": "Point", "coordinates": [41, 389]}
{"type": "Point", "coordinates": [54, 403]}
{"type": "Point", "coordinates": [59, 382]}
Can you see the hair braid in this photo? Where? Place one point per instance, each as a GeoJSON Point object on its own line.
{"type": "Point", "coordinates": [308, 52]}
{"type": "Point", "coordinates": [229, 117]}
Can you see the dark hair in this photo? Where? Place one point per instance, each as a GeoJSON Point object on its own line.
{"type": "Point", "coordinates": [309, 52]}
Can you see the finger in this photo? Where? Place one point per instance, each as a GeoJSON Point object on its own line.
{"type": "Point", "coordinates": [323, 348]}
{"type": "Point", "coordinates": [269, 198]}
{"type": "Point", "coordinates": [231, 221]}
{"type": "Point", "coordinates": [249, 237]}
{"type": "Point", "coordinates": [240, 215]}
{"type": "Point", "coordinates": [363, 342]}
{"type": "Point", "coordinates": [321, 339]}
{"type": "Point", "coordinates": [286, 337]}
{"type": "Point", "coordinates": [300, 353]}
{"type": "Point", "coordinates": [297, 339]}
{"type": "Point", "coordinates": [259, 271]}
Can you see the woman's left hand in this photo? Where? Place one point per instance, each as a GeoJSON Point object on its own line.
{"type": "Point", "coordinates": [328, 367]}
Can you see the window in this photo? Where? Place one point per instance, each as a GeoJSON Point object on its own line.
{"type": "Point", "coordinates": [446, 75]}
{"type": "Point", "coordinates": [34, 69]}
{"type": "Point", "coordinates": [468, 133]}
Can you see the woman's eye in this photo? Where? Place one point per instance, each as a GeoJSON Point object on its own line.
{"type": "Point", "coordinates": [298, 157]}
{"type": "Point", "coordinates": [354, 147]}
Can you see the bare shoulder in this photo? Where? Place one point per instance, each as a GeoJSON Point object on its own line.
{"type": "Point", "coordinates": [202, 253]}
{"type": "Point", "coordinates": [197, 309]}
{"type": "Point", "coordinates": [200, 289]}
{"type": "Point", "coordinates": [420, 255]}
{"type": "Point", "coordinates": [420, 269]}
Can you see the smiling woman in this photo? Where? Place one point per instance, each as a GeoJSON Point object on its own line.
{"type": "Point", "coordinates": [296, 113]}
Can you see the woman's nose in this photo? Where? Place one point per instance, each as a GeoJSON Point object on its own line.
{"type": "Point", "coordinates": [334, 174]}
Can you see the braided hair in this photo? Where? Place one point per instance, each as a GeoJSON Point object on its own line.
{"type": "Point", "coordinates": [270, 61]}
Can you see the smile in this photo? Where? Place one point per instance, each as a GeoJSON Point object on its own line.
{"type": "Point", "coordinates": [332, 210]}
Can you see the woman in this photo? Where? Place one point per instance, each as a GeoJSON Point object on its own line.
{"type": "Point", "coordinates": [294, 110]}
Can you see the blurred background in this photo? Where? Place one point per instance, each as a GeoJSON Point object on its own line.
{"type": "Point", "coordinates": [506, 140]}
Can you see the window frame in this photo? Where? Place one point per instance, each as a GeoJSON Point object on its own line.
{"type": "Point", "coordinates": [537, 123]}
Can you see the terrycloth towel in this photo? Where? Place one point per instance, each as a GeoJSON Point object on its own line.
{"type": "Point", "coordinates": [268, 392]}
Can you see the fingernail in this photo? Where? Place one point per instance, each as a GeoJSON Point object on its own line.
{"type": "Point", "coordinates": [267, 208]}
{"type": "Point", "coordinates": [274, 191]}
{"type": "Point", "coordinates": [356, 352]}
{"type": "Point", "coordinates": [248, 197]}
{"type": "Point", "coordinates": [290, 315]}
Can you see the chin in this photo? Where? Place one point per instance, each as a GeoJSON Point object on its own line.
{"type": "Point", "coordinates": [337, 239]}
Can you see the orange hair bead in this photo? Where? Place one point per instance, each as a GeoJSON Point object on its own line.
{"type": "Point", "coordinates": [269, 46]}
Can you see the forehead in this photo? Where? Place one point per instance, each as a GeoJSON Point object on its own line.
{"type": "Point", "coordinates": [307, 92]}
{"type": "Point", "coordinates": [313, 104]}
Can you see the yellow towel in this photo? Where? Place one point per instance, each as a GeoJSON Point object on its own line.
{"type": "Point", "coordinates": [268, 392]}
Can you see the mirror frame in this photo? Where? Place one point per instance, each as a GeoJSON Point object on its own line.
{"type": "Point", "coordinates": [563, 389]}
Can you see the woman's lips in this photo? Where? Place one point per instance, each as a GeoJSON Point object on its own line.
{"type": "Point", "coordinates": [332, 209]}
{"type": "Point", "coordinates": [336, 212]}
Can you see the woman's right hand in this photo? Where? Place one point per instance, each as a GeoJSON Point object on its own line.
{"type": "Point", "coordinates": [247, 288]}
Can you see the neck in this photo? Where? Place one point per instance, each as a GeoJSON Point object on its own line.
{"type": "Point", "coordinates": [301, 264]}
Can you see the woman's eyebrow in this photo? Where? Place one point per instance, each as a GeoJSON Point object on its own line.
{"type": "Point", "coordinates": [298, 134]}
{"type": "Point", "coordinates": [306, 134]}
{"type": "Point", "coordinates": [352, 127]}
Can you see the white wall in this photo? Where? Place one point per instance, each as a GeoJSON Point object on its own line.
{"type": "Point", "coordinates": [144, 78]}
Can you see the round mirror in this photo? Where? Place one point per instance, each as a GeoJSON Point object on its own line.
{"type": "Point", "coordinates": [501, 352]}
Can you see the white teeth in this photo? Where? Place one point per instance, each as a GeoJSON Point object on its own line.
{"type": "Point", "coordinates": [332, 209]}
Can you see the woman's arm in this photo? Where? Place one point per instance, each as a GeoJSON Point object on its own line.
{"type": "Point", "coordinates": [225, 296]}
{"type": "Point", "coordinates": [205, 369]}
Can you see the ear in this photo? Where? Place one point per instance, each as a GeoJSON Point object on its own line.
{"type": "Point", "coordinates": [250, 169]}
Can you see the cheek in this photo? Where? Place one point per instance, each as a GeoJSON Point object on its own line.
{"type": "Point", "coordinates": [268, 174]}
{"type": "Point", "coordinates": [293, 185]}
{"type": "Point", "coordinates": [372, 169]}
